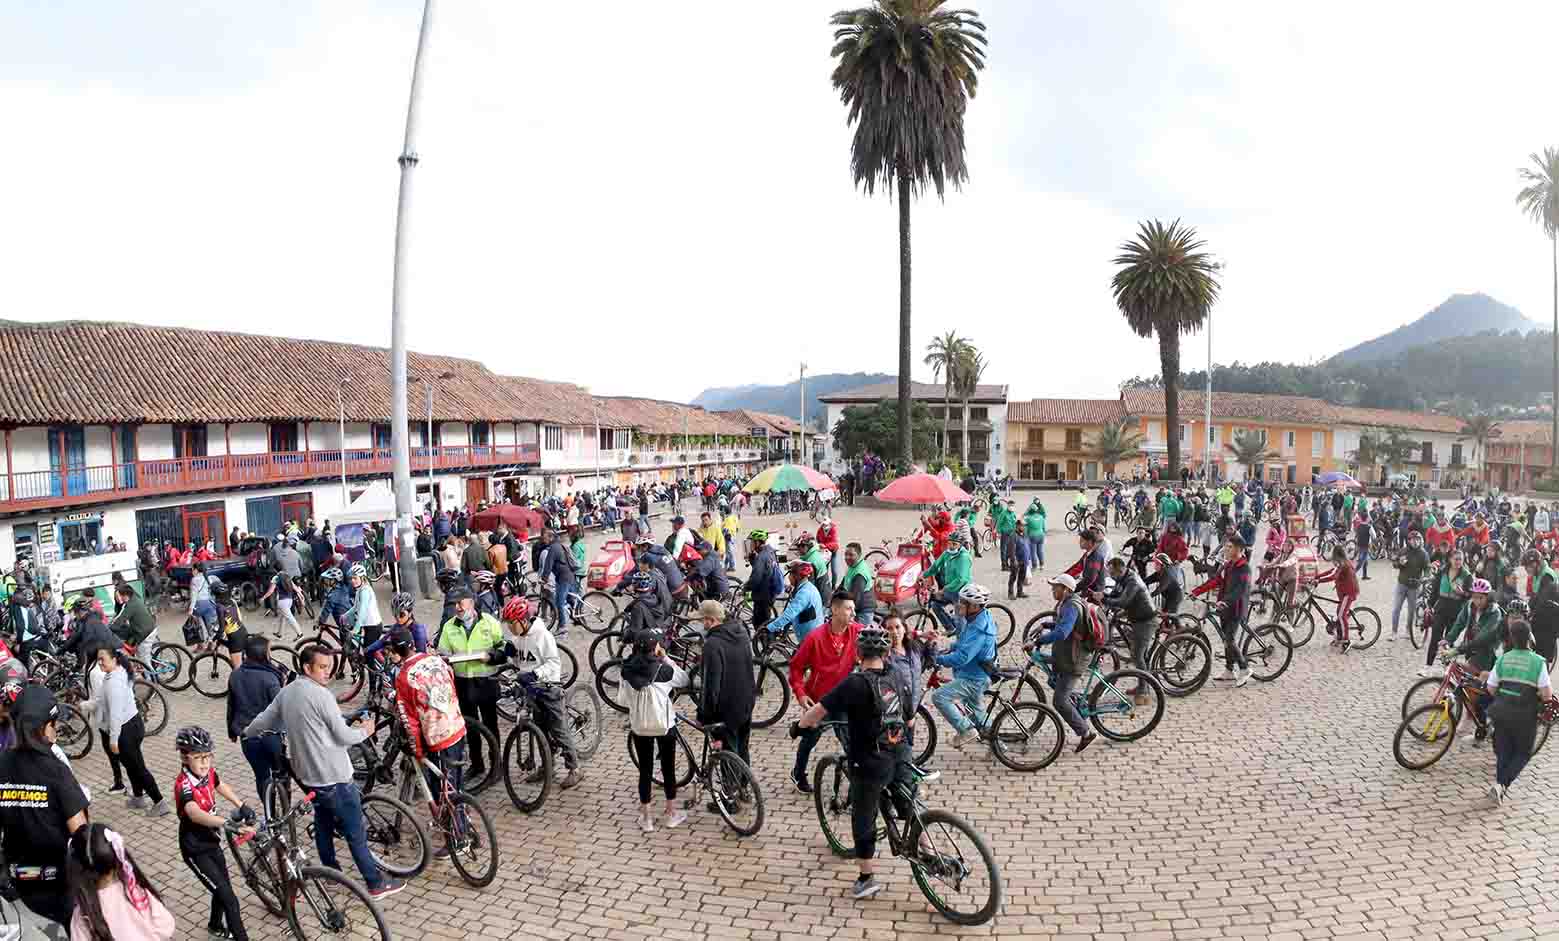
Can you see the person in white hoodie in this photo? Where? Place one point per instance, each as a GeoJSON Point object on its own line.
{"type": "Point", "coordinates": [529, 645]}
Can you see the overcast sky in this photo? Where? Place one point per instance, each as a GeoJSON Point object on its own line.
{"type": "Point", "coordinates": [651, 199]}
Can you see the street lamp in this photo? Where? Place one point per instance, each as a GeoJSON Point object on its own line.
{"type": "Point", "coordinates": [428, 383]}
{"type": "Point", "coordinates": [341, 409]}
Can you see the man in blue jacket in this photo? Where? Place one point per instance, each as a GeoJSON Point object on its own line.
{"type": "Point", "coordinates": [805, 610]}
{"type": "Point", "coordinates": [975, 646]}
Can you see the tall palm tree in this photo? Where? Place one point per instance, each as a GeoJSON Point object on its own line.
{"type": "Point", "coordinates": [942, 356]}
{"type": "Point", "coordinates": [1116, 442]}
{"type": "Point", "coordinates": [1166, 284]}
{"type": "Point", "coordinates": [1250, 448]}
{"type": "Point", "coordinates": [1539, 198]}
{"type": "Point", "coordinates": [905, 70]}
{"type": "Point", "coordinates": [971, 368]}
{"type": "Point", "coordinates": [1480, 428]}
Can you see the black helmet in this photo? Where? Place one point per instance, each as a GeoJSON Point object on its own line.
{"type": "Point", "coordinates": [220, 593]}
{"type": "Point", "coordinates": [402, 602]}
{"type": "Point", "coordinates": [192, 739]}
{"type": "Point", "coordinates": [872, 642]}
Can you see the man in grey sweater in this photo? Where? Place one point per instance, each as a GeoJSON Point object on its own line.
{"type": "Point", "coordinates": [317, 749]}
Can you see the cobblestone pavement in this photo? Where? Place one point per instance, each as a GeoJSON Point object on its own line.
{"type": "Point", "coordinates": [1273, 811]}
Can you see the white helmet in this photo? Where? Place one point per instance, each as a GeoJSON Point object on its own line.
{"type": "Point", "coordinates": [977, 595]}
{"type": "Point", "coordinates": [357, 571]}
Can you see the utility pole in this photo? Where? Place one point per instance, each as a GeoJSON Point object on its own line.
{"type": "Point", "coordinates": [341, 404]}
{"type": "Point", "coordinates": [1207, 433]}
{"type": "Point", "coordinates": [432, 493]}
{"type": "Point", "coordinates": [595, 413]}
{"type": "Point", "coordinates": [803, 442]}
{"type": "Point", "coordinates": [399, 429]}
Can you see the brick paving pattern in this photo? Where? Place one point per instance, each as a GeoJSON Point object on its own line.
{"type": "Point", "coordinates": [1274, 811]}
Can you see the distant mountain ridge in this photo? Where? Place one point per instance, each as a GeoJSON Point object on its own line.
{"type": "Point", "coordinates": [1461, 315]}
{"type": "Point", "coordinates": [786, 399]}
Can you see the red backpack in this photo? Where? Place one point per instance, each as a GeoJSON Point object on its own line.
{"type": "Point", "coordinates": [1093, 626]}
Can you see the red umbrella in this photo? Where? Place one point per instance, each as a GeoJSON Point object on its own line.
{"type": "Point", "coordinates": [519, 518]}
{"type": "Point", "coordinates": [922, 488]}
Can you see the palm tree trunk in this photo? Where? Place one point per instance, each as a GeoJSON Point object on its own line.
{"type": "Point", "coordinates": [963, 442]}
{"type": "Point", "coordinates": [947, 405]}
{"type": "Point", "coordinates": [1169, 366]}
{"type": "Point", "coordinates": [906, 438]}
{"type": "Point", "coordinates": [1553, 447]}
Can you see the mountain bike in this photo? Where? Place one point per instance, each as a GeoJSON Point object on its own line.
{"type": "Point", "coordinates": [467, 832]}
{"type": "Point", "coordinates": [1363, 622]}
{"type": "Point", "coordinates": [723, 775]}
{"type": "Point", "coordinates": [1268, 649]}
{"type": "Point", "coordinates": [1426, 731]}
{"type": "Point", "coordinates": [594, 609]}
{"type": "Point", "coordinates": [1181, 660]}
{"type": "Point", "coordinates": [1024, 735]}
{"type": "Point", "coordinates": [1104, 702]}
{"type": "Point", "coordinates": [169, 666]}
{"type": "Point", "coordinates": [315, 900]}
{"type": "Point", "coordinates": [947, 857]}
{"type": "Point", "coordinates": [581, 709]}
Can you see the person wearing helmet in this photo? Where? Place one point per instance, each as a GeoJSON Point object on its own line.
{"type": "Point", "coordinates": [948, 575]}
{"type": "Point", "coordinates": [33, 833]}
{"type": "Point", "coordinates": [28, 624]}
{"type": "Point", "coordinates": [804, 612]}
{"type": "Point", "coordinates": [762, 578]}
{"type": "Point", "coordinates": [1543, 592]}
{"type": "Point", "coordinates": [88, 632]}
{"type": "Point", "coordinates": [1480, 628]}
{"type": "Point", "coordinates": [532, 648]}
{"type": "Point", "coordinates": [486, 595]}
{"type": "Point", "coordinates": [403, 610]}
{"type": "Point", "coordinates": [808, 550]}
{"type": "Point", "coordinates": [665, 565]}
{"type": "Point", "coordinates": [195, 793]}
{"type": "Point", "coordinates": [1411, 565]}
{"type": "Point", "coordinates": [429, 708]}
{"type": "Point", "coordinates": [1129, 595]}
{"type": "Point", "coordinates": [230, 631]}
{"type": "Point", "coordinates": [878, 753]}
{"type": "Point", "coordinates": [709, 573]}
{"type": "Point", "coordinates": [472, 632]}
{"type": "Point", "coordinates": [336, 605]}
{"type": "Point", "coordinates": [973, 647]}
{"type": "Point", "coordinates": [365, 604]}
{"type": "Point", "coordinates": [200, 603]}
{"type": "Point", "coordinates": [648, 601]}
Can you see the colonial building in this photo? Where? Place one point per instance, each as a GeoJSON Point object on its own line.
{"type": "Point", "coordinates": [986, 414]}
{"type": "Point", "coordinates": [1050, 439]}
{"type": "Point", "coordinates": [1520, 453]}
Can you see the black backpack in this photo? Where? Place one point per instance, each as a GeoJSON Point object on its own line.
{"type": "Point", "coordinates": [891, 725]}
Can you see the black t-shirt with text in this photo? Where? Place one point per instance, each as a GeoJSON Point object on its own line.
{"type": "Point", "coordinates": [38, 793]}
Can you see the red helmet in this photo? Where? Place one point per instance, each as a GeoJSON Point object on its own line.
{"type": "Point", "coordinates": [802, 569]}
{"type": "Point", "coordinates": [516, 609]}
{"type": "Point", "coordinates": [689, 554]}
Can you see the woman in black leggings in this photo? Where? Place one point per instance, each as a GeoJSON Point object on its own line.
{"type": "Point", "coordinates": [1450, 593]}
{"type": "Point", "coordinates": [123, 731]}
{"type": "Point", "coordinates": [652, 678]}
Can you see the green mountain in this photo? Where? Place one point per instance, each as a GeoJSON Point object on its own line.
{"type": "Point", "coordinates": [786, 399]}
{"type": "Point", "coordinates": [1461, 315]}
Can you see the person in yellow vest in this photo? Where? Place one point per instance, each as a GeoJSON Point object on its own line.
{"type": "Point", "coordinates": [712, 532]}
{"type": "Point", "coordinates": [472, 637]}
{"type": "Point", "coordinates": [732, 526]}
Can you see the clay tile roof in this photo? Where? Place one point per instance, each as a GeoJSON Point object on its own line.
{"type": "Point", "coordinates": [1291, 409]}
{"type": "Point", "coordinates": [659, 417]}
{"type": "Point", "coordinates": [918, 390]}
{"type": "Point", "coordinates": [1392, 418]}
{"type": "Point", "coordinates": [1067, 411]}
{"type": "Point", "coordinates": [748, 418]}
{"type": "Point", "coordinates": [92, 372]}
{"type": "Point", "coordinates": [1517, 430]}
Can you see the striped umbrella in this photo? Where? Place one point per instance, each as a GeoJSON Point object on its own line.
{"type": "Point", "coordinates": [789, 477]}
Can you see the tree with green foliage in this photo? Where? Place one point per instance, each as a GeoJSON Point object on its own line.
{"type": "Point", "coordinates": [1116, 442]}
{"type": "Point", "coordinates": [1480, 428]}
{"type": "Point", "coordinates": [905, 71]}
{"type": "Point", "coordinates": [1249, 449]}
{"type": "Point", "coordinates": [1166, 285]}
{"type": "Point", "coordinates": [971, 369]}
{"type": "Point", "coordinates": [1539, 199]}
{"type": "Point", "coordinates": [875, 428]}
{"type": "Point", "coordinates": [942, 355]}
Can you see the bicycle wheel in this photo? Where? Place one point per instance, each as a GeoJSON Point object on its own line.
{"type": "Point", "coordinates": [1301, 626]}
{"type": "Point", "coordinates": [1182, 662]}
{"type": "Point", "coordinates": [477, 783]}
{"type": "Point", "coordinates": [922, 623]}
{"type": "Point", "coordinates": [73, 732]}
{"type": "Point", "coordinates": [1424, 736]}
{"type": "Point", "coordinates": [735, 792]}
{"type": "Point", "coordinates": [1072, 520]}
{"type": "Point", "coordinates": [258, 871]}
{"type": "Point", "coordinates": [876, 557]}
{"type": "Point", "coordinates": [209, 673]}
{"type": "Point", "coordinates": [397, 840]}
{"type": "Point", "coordinates": [923, 735]}
{"type": "Point", "coordinates": [604, 649]}
{"type": "Point", "coordinates": [277, 801]}
{"type": "Point", "coordinates": [1543, 728]}
{"type": "Point", "coordinates": [325, 902]}
{"type": "Point", "coordinates": [771, 695]}
{"type": "Point", "coordinates": [1268, 650]}
{"type": "Point", "coordinates": [170, 667]}
{"type": "Point", "coordinates": [582, 711]}
{"type": "Point", "coordinates": [1003, 621]}
{"type": "Point", "coordinates": [284, 660]}
{"type": "Point", "coordinates": [1037, 625]}
{"type": "Point", "coordinates": [472, 842]}
{"type": "Point", "coordinates": [527, 767]}
{"type": "Point", "coordinates": [681, 761]}
{"type": "Point", "coordinates": [950, 872]}
{"type": "Point", "coordinates": [151, 705]}
{"type": "Point", "coordinates": [570, 667]}
{"type": "Point", "coordinates": [1113, 710]}
{"type": "Point", "coordinates": [1418, 625]}
{"type": "Point", "coordinates": [609, 684]}
{"type": "Point", "coordinates": [831, 797]}
{"type": "Point", "coordinates": [1364, 628]}
{"type": "Point", "coordinates": [596, 611]}
{"type": "Point", "coordinates": [1026, 736]}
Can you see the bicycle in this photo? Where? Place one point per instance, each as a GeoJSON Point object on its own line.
{"type": "Point", "coordinates": [326, 894]}
{"type": "Point", "coordinates": [728, 780]}
{"type": "Point", "coordinates": [927, 840]}
{"type": "Point", "coordinates": [62, 675]}
{"type": "Point", "coordinates": [924, 621]}
{"type": "Point", "coordinates": [581, 709]}
{"type": "Point", "coordinates": [367, 760]}
{"type": "Point", "coordinates": [1434, 724]}
{"type": "Point", "coordinates": [1269, 645]}
{"type": "Point", "coordinates": [1024, 735]}
{"type": "Point", "coordinates": [1101, 698]}
{"type": "Point", "coordinates": [168, 663]}
{"type": "Point", "coordinates": [1364, 623]}
{"type": "Point", "coordinates": [594, 609]}
{"type": "Point", "coordinates": [458, 818]}
{"type": "Point", "coordinates": [1181, 660]}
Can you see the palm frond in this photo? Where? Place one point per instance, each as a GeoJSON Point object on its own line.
{"type": "Point", "coordinates": [1539, 198]}
{"type": "Point", "coordinates": [1166, 281]}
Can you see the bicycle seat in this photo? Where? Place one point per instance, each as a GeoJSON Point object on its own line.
{"type": "Point", "coordinates": [1006, 673]}
{"type": "Point", "coordinates": [714, 728]}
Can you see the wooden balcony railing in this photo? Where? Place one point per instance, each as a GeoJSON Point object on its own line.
{"type": "Point", "coordinates": [74, 485]}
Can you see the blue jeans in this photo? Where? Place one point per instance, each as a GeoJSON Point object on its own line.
{"type": "Point", "coordinates": [1362, 566]}
{"type": "Point", "coordinates": [341, 806]}
{"type": "Point", "coordinates": [1037, 550]}
{"type": "Point", "coordinates": [937, 602]}
{"type": "Point", "coordinates": [560, 598]}
{"type": "Point", "coordinates": [207, 612]}
{"type": "Point", "coordinates": [730, 561]}
{"type": "Point", "coordinates": [264, 756]}
{"type": "Point", "coordinates": [1404, 593]}
{"type": "Point", "coordinates": [968, 690]}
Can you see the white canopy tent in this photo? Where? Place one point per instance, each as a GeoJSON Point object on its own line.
{"type": "Point", "coordinates": [374, 505]}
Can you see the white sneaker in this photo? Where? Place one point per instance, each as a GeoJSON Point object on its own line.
{"type": "Point", "coordinates": [1225, 676]}
{"type": "Point", "coordinates": [646, 823]}
{"type": "Point", "coordinates": [1242, 678]}
{"type": "Point", "coordinates": [1496, 795]}
{"type": "Point", "coordinates": [677, 819]}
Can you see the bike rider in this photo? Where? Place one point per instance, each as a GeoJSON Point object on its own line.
{"type": "Point", "coordinates": [1130, 596]}
{"type": "Point", "coordinates": [948, 575]}
{"type": "Point", "coordinates": [1411, 567]}
{"type": "Point", "coordinates": [1544, 602]}
{"type": "Point", "coordinates": [760, 578]}
{"type": "Point", "coordinates": [709, 570]}
{"type": "Point", "coordinates": [878, 754]}
{"type": "Point", "coordinates": [1484, 625]}
{"type": "Point", "coordinates": [973, 651]}
{"type": "Point", "coordinates": [532, 648]}
{"type": "Point", "coordinates": [336, 608]}
{"type": "Point", "coordinates": [666, 567]}
{"type": "Point", "coordinates": [645, 609]}
{"type": "Point", "coordinates": [804, 611]}
{"type": "Point", "coordinates": [402, 608]}
{"type": "Point", "coordinates": [1067, 658]}
{"type": "Point", "coordinates": [486, 596]}
{"type": "Point", "coordinates": [429, 709]}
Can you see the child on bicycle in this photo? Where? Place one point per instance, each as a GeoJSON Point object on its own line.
{"type": "Point", "coordinates": [1347, 580]}
{"type": "Point", "coordinates": [111, 895]}
{"type": "Point", "coordinates": [195, 793]}
{"type": "Point", "coordinates": [877, 706]}
{"type": "Point", "coordinates": [429, 708]}
{"type": "Point", "coordinates": [532, 648]}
